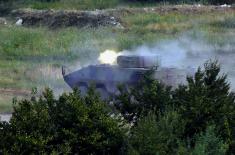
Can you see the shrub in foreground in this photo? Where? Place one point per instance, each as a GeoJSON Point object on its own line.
{"type": "Point", "coordinates": [70, 124]}
{"type": "Point", "coordinates": [157, 134]}
{"type": "Point", "coordinates": [161, 135]}
{"type": "Point", "coordinates": [208, 143]}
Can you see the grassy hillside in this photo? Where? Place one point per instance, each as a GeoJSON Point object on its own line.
{"type": "Point", "coordinates": [72, 4]}
{"type": "Point", "coordinates": [32, 57]}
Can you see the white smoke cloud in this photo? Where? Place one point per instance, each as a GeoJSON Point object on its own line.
{"type": "Point", "coordinates": [187, 52]}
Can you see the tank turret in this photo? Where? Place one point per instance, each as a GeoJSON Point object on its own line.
{"type": "Point", "coordinates": [133, 61]}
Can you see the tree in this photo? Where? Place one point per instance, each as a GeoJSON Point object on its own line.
{"type": "Point", "coordinates": [207, 100]}
{"type": "Point", "coordinates": [208, 143]}
{"type": "Point", "coordinates": [70, 124]}
{"type": "Point", "coordinates": [162, 135]}
{"type": "Point", "coordinates": [157, 134]}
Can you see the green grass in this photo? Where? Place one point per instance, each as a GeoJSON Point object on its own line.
{"type": "Point", "coordinates": [7, 5]}
{"type": "Point", "coordinates": [91, 4]}
{"type": "Point", "coordinates": [64, 4]}
{"type": "Point", "coordinates": [81, 4]}
{"type": "Point", "coordinates": [5, 103]}
{"type": "Point", "coordinates": [32, 57]}
{"type": "Point", "coordinates": [228, 23]}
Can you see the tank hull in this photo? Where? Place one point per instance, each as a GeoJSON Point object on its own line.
{"type": "Point", "coordinates": [106, 78]}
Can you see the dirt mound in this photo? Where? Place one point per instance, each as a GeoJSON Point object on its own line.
{"type": "Point", "coordinates": [108, 17]}
{"type": "Point", "coordinates": [56, 19]}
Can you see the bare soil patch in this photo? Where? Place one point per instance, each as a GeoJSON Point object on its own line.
{"type": "Point", "coordinates": [55, 19]}
{"type": "Point", "coordinates": [108, 17]}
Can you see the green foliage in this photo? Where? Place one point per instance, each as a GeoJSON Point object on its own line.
{"type": "Point", "coordinates": [157, 134]}
{"type": "Point", "coordinates": [62, 4]}
{"type": "Point", "coordinates": [226, 23]}
{"type": "Point", "coordinates": [162, 135]}
{"type": "Point", "coordinates": [209, 144]}
{"type": "Point", "coordinates": [170, 23]}
{"type": "Point", "coordinates": [8, 5]}
{"type": "Point", "coordinates": [207, 99]}
{"type": "Point", "coordinates": [70, 124]}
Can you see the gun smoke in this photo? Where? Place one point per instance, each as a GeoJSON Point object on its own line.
{"type": "Point", "coordinates": [186, 52]}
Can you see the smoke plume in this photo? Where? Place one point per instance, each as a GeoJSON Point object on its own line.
{"type": "Point", "coordinates": [188, 52]}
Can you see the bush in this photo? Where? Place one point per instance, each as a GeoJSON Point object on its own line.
{"type": "Point", "coordinates": [157, 135]}
{"type": "Point", "coordinates": [162, 135]}
{"type": "Point", "coordinates": [70, 124]}
{"type": "Point", "coordinates": [209, 144]}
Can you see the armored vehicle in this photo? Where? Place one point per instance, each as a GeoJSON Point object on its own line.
{"type": "Point", "coordinates": [128, 71]}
